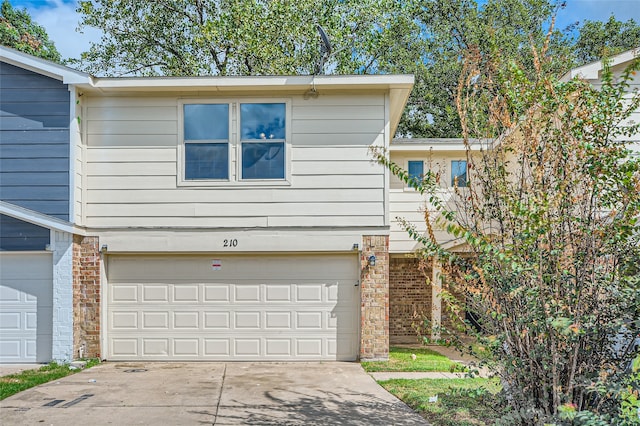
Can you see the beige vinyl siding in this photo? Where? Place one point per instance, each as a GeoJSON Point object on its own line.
{"type": "Point", "coordinates": [408, 204]}
{"type": "Point", "coordinates": [132, 167]}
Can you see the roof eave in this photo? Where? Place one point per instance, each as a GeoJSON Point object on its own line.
{"type": "Point", "coordinates": [42, 66]}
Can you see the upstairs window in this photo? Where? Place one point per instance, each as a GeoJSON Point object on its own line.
{"type": "Point", "coordinates": [415, 169]}
{"type": "Point", "coordinates": [234, 142]}
{"type": "Point", "coordinates": [262, 139]}
{"type": "Point", "coordinates": [206, 141]}
{"type": "Point", "coordinates": [459, 173]}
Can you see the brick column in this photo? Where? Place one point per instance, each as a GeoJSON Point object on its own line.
{"type": "Point", "coordinates": [62, 349]}
{"type": "Point", "coordinates": [374, 297]}
{"type": "Point", "coordinates": [86, 296]}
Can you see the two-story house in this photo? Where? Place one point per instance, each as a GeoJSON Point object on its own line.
{"type": "Point", "coordinates": [204, 218]}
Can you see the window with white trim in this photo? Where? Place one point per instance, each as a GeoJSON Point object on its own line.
{"type": "Point", "coordinates": [206, 141]}
{"type": "Point", "coordinates": [231, 142]}
{"type": "Point", "coordinates": [262, 139]}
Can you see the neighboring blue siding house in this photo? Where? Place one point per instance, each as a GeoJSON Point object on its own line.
{"type": "Point", "coordinates": [34, 141]}
{"type": "Point", "coordinates": [34, 153]}
{"type": "Point", "coordinates": [36, 208]}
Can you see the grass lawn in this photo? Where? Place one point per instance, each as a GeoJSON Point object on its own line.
{"type": "Point", "coordinates": [14, 383]}
{"type": "Point", "coordinates": [461, 402]}
{"type": "Point", "coordinates": [400, 360]}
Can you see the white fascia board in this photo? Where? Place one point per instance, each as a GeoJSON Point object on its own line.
{"type": "Point", "coordinates": [42, 66]}
{"type": "Point", "coordinates": [435, 144]}
{"type": "Point", "coordinates": [228, 83]}
{"type": "Point", "coordinates": [592, 71]}
{"type": "Point", "coordinates": [38, 219]}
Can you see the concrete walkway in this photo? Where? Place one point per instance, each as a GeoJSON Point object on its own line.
{"type": "Point", "coordinates": [334, 393]}
{"type": "Point", "coordinates": [6, 369]}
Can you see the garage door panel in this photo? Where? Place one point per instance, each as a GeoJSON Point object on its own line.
{"type": "Point", "coordinates": [278, 348]}
{"type": "Point", "coordinates": [309, 293]}
{"type": "Point", "coordinates": [249, 347]}
{"type": "Point", "coordinates": [155, 320]}
{"type": "Point", "coordinates": [155, 348]}
{"type": "Point", "coordinates": [216, 293]}
{"type": "Point", "coordinates": [309, 320]}
{"type": "Point", "coordinates": [186, 347]}
{"type": "Point", "coordinates": [278, 320]}
{"type": "Point", "coordinates": [247, 293]}
{"type": "Point", "coordinates": [155, 293]}
{"type": "Point", "coordinates": [217, 320]}
{"type": "Point", "coordinates": [124, 293]}
{"type": "Point", "coordinates": [186, 320]}
{"type": "Point", "coordinates": [278, 293]}
{"type": "Point", "coordinates": [309, 347]}
{"type": "Point", "coordinates": [186, 293]}
{"type": "Point", "coordinates": [217, 348]}
{"type": "Point", "coordinates": [124, 320]}
{"type": "Point", "coordinates": [269, 317]}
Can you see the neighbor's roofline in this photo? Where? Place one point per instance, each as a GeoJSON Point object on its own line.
{"type": "Point", "coordinates": [38, 218]}
{"type": "Point", "coordinates": [436, 144]}
{"type": "Point", "coordinates": [42, 66]}
{"type": "Point", "coordinates": [592, 71]}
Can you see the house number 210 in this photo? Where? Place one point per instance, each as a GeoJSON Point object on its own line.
{"type": "Point", "coordinates": [230, 243]}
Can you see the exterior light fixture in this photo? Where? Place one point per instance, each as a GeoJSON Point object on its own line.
{"type": "Point", "coordinates": [104, 248]}
{"type": "Point", "coordinates": [372, 260]}
{"type": "Point", "coordinates": [355, 247]}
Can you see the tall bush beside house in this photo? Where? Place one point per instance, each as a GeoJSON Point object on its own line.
{"type": "Point", "coordinates": [549, 217]}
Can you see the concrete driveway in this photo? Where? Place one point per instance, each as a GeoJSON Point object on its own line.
{"type": "Point", "coordinates": [332, 393]}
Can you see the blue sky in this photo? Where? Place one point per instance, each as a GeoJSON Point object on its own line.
{"type": "Point", "coordinates": [61, 20]}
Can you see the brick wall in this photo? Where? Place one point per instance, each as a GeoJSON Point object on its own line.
{"type": "Point", "coordinates": [410, 298]}
{"type": "Point", "coordinates": [86, 296]}
{"type": "Point", "coordinates": [374, 293]}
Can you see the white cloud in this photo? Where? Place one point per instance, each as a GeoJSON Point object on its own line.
{"type": "Point", "coordinates": [60, 19]}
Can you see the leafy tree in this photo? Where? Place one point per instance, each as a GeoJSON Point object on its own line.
{"type": "Point", "coordinates": [426, 38]}
{"type": "Point", "coordinates": [605, 39]}
{"type": "Point", "coordinates": [17, 30]}
{"type": "Point", "coordinates": [550, 217]}
{"type": "Point", "coordinates": [230, 37]}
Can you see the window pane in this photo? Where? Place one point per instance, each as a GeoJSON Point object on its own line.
{"type": "Point", "coordinates": [416, 169]}
{"type": "Point", "coordinates": [206, 122]}
{"type": "Point", "coordinates": [263, 160]}
{"type": "Point", "coordinates": [206, 161]}
{"type": "Point", "coordinates": [459, 171]}
{"type": "Point", "coordinates": [262, 121]}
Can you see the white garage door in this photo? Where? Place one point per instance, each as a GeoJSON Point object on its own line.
{"type": "Point", "coordinates": [289, 307]}
{"type": "Point", "coordinates": [26, 313]}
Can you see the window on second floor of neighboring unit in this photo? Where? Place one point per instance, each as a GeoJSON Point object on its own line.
{"type": "Point", "coordinates": [415, 168]}
{"type": "Point", "coordinates": [459, 173]}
